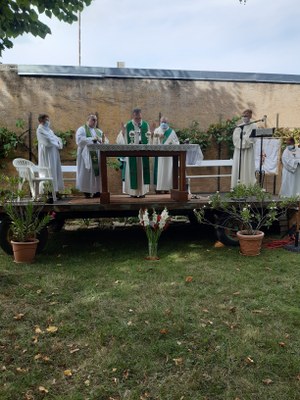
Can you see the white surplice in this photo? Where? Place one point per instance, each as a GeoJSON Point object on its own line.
{"type": "Point", "coordinates": [86, 181]}
{"type": "Point", "coordinates": [247, 170]}
{"type": "Point", "coordinates": [165, 164]}
{"type": "Point", "coordinates": [48, 154]}
{"type": "Point", "coordinates": [290, 180]}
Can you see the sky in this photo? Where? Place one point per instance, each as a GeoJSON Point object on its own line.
{"type": "Point", "coordinates": [262, 36]}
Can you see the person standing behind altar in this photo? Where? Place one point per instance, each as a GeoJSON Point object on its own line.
{"type": "Point", "coordinates": [48, 152]}
{"type": "Point", "coordinates": [290, 180]}
{"type": "Point", "coordinates": [88, 162]}
{"type": "Point", "coordinates": [244, 171]}
{"type": "Point", "coordinates": [137, 170]}
{"type": "Point", "coordinates": [163, 166]}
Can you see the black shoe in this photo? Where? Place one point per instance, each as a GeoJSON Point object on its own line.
{"type": "Point", "coordinates": [87, 195]}
{"type": "Point", "coordinates": [49, 200]}
{"type": "Point", "coordinates": [96, 195]}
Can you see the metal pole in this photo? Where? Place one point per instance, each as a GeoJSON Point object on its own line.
{"type": "Point", "coordinates": [79, 39]}
{"type": "Point", "coordinates": [30, 135]}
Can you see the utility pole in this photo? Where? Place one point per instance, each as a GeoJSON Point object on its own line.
{"type": "Point", "coordinates": [79, 39]}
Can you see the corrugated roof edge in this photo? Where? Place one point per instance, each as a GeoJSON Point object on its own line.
{"type": "Point", "coordinates": [140, 73]}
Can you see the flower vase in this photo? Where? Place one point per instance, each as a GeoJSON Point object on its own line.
{"type": "Point", "coordinates": [152, 250]}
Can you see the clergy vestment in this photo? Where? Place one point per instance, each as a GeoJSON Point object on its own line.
{"type": "Point", "coordinates": [163, 171]}
{"type": "Point", "coordinates": [246, 148]}
{"type": "Point", "coordinates": [290, 180]}
{"type": "Point", "coordinates": [88, 162]}
{"type": "Point", "coordinates": [137, 170]}
{"type": "Point", "coordinates": [48, 155]}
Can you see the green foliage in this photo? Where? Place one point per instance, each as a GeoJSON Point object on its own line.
{"type": "Point", "coordinates": [65, 136]}
{"type": "Point", "coordinates": [251, 207]}
{"type": "Point", "coordinates": [26, 218]}
{"type": "Point", "coordinates": [9, 140]}
{"type": "Point", "coordinates": [18, 17]}
{"type": "Point", "coordinates": [194, 134]}
{"type": "Point", "coordinates": [219, 133]}
{"type": "Point", "coordinates": [285, 133]}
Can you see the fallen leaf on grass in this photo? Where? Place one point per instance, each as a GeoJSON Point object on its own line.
{"type": "Point", "coordinates": [219, 244]}
{"type": "Point", "coordinates": [35, 339]}
{"type": "Point", "coordinates": [38, 330]}
{"type": "Point", "coordinates": [52, 329]}
{"type": "Point", "coordinates": [189, 279]}
{"type": "Point", "coordinates": [281, 344]}
{"type": "Point", "coordinates": [298, 377]}
{"type": "Point", "coordinates": [267, 381]}
{"type": "Point", "coordinates": [17, 317]}
{"type": "Point", "coordinates": [249, 360]}
{"type": "Point", "coordinates": [22, 370]}
{"type": "Point", "coordinates": [126, 373]}
{"type": "Point", "coordinates": [87, 382]}
{"type": "Point", "coordinates": [163, 331]}
{"type": "Point", "coordinates": [74, 351]}
{"type": "Point", "coordinates": [178, 361]}
{"type": "Point", "coordinates": [236, 293]}
{"type": "Point", "coordinates": [68, 372]}
{"type": "Point", "coordinates": [42, 389]}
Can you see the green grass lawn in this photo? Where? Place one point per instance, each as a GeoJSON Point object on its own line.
{"type": "Point", "coordinates": [200, 323]}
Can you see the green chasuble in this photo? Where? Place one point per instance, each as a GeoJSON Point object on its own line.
{"type": "Point", "coordinates": [166, 135]}
{"type": "Point", "coordinates": [133, 161]}
{"type": "Point", "coordinates": [93, 153]}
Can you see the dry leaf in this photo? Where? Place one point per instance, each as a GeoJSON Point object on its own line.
{"type": "Point", "coordinates": [34, 339]}
{"type": "Point", "coordinates": [178, 361]}
{"type": "Point", "coordinates": [42, 389]}
{"type": "Point", "coordinates": [87, 382]}
{"type": "Point", "coordinates": [38, 330]}
{"type": "Point", "coordinates": [249, 360]}
{"type": "Point", "coordinates": [189, 279]}
{"type": "Point", "coordinates": [67, 372]}
{"type": "Point", "coordinates": [267, 381]}
{"type": "Point", "coordinates": [126, 373]}
{"type": "Point", "coordinates": [74, 351]}
{"type": "Point", "coordinates": [129, 323]}
{"type": "Point", "coordinates": [257, 311]}
{"type": "Point", "coordinates": [236, 293]}
{"type": "Point", "coordinates": [39, 291]}
{"type": "Point", "coordinates": [38, 356]}
{"type": "Point", "coordinates": [219, 244]}
{"type": "Point", "coordinates": [17, 317]}
{"type": "Point", "coordinates": [52, 329]}
{"type": "Point", "coordinates": [22, 370]}
{"type": "Point", "coordinates": [163, 331]}
{"type": "Point", "coordinates": [298, 377]}
{"type": "Point", "coordinates": [281, 344]}
{"type": "Point", "coordinates": [232, 309]}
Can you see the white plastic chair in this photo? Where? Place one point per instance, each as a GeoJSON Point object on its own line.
{"type": "Point", "coordinates": [34, 174]}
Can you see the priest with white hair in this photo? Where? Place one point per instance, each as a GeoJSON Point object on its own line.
{"type": "Point", "coordinates": [163, 166]}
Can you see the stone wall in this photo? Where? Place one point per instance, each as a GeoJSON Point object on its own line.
{"type": "Point", "coordinates": [68, 101]}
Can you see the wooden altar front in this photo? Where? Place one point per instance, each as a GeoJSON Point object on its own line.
{"type": "Point", "coordinates": [177, 152]}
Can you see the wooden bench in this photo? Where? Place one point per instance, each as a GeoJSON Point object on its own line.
{"type": "Point", "coordinates": [209, 163]}
{"type": "Point", "coordinates": [69, 173]}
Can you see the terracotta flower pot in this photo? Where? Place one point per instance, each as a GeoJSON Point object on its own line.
{"type": "Point", "coordinates": [250, 245]}
{"type": "Point", "coordinates": [24, 252]}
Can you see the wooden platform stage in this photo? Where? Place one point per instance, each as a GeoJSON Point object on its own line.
{"type": "Point", "coordinates": [123, 205]}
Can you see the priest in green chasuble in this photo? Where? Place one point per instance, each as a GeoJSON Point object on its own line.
{"type": "Point", "coordinates": [137, 172]}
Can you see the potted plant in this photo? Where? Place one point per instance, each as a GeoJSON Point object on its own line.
{"type": "Point", "coordinates": [245, 210]}
{"type": "Point", "coordinates": [26, 220]}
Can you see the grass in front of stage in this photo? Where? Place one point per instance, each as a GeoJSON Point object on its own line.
{"type": "Point", "coordinates": [93, 319]}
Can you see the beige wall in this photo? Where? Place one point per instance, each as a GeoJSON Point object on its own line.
{"type": "Point", "coordinates": [68, 100]}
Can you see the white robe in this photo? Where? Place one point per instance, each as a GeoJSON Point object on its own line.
{"type": "Point", "coordinates": [142, 189]}
{"type": "Point", "coordinates": [165, 164]}
{"type": "Point", "coordinates": [86, 181]}
{"type": "Point", "coordinates": [290, 180]}
{"type": "Point", "coordinates": [247, 172]}
{"type": "Point", "coordinates": [48, 154]}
